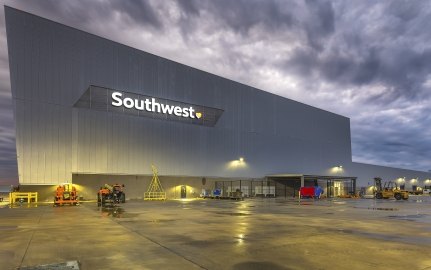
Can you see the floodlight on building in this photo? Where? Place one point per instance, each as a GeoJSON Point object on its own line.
{"type": "Point", "coordinates": [237, 163]}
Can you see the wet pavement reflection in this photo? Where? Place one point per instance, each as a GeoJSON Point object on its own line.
{"type": "Point", "coordinates": [256, 233]}
{"type": "Point", "coordinates": [111, 211]}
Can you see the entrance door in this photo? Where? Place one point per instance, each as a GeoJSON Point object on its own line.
{"type": "Point", "coordinates": [183, 192]}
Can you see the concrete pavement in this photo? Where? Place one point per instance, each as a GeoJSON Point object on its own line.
{"type": "Point", "coordinates": [215, 234]}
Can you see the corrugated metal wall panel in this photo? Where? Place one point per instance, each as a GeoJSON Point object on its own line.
{"type": "Point", "coordinates": [53, 65]}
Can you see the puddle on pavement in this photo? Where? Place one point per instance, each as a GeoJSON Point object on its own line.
{"type": "Point", "coordinates": [259, 265]}
{"type": "Point", "coordinates": [115, 212]}
{"type": "Point", "coordinates": [305, 203]}
{"type": "Point", "coordinates": [312, 202]}
{"type": "Point", "coordinates": [378, 208]}
{"type": "Point", "coordinates": [238, 214]}
{"type": "Point", "coordinates": [240, 237]}
{"type": "Point", "coordinates": [344, 231]}
{"type": "Point", "coordinates": [409, 217]}
{"type": "Point", "coordinates": [386, 237]}
{"type": "Point", "coordinates": [161, 220]}
{"type": "Point", "coordinates": [383, 208]}
{"type": "Point", "coordinates": [338, 202]}
{"type": "Point", "coordinates": [8, 228]}
{"type": "Point", "coordinates": [24, 205]}
{"type": "Point", "coordinates": [199, 243]}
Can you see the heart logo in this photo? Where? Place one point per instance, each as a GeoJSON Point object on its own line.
{"type": "Point", "coordinates": [198, 115]}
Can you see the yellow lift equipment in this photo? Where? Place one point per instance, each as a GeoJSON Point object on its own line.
{"type": "Point", "coordinates": [155, 191]}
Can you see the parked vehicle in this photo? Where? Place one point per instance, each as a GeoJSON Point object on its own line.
{"type": "Point", "coordinates": [426, 190]}
{"type": "Point", "coordinates": [111, 195]}
{"type": "Point", "coordinates": [389, 190]}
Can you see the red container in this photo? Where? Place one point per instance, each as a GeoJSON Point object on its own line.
{"type": "Point", "coordinates": [307, 192]}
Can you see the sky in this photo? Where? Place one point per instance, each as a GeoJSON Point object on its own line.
{"type": "Point", "coordinates": [364, 59]}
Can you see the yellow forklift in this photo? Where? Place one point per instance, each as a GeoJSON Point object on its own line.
{"type": "Point", "coordinates": [389, 190]}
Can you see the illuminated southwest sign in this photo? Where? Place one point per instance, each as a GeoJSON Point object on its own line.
{"type": "Point", "coordinates": [116, 101]}
{"type": "Point", "coordinates": [152, 105]}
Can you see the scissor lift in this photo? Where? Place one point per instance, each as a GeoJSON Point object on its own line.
{"type": "Point", "coordinates": [66, 194]}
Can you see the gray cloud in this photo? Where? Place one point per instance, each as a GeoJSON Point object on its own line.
{"type": "Point", "coordinates": [368, 60]}
{"type": "Point", "coordinates": [320, 24]}
{"type": "Point", "coordinates": [140, 12]}
{"type": "Point", "coordinates": [242, 15]}
{"type": "Point", "coordinates": [8, 162]}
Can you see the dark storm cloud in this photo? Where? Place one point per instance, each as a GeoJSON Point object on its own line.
{"type": "Point", "coordinates": [274, 16]}
{"type": "Point", "coordinates": [190, 7]}
{"type": "Point", "coordinates": [8, 163]}
{"type": "Point", "coordinates": [140, 12]}
{"type": "Point", "coordinates": [242, 15]}
{"type": "Point", "coordinates": [84, 12]}
{"type": "Point", "coordinates": [394, 140]}
{"type": "Point", "coordinates": [401, 71]}
{"type": "Point", "coordinates": [321, 23]}
{"type": "Point", "coordinates": [359, 58]}
{"type": "Point", "coordinates": [368, 60]}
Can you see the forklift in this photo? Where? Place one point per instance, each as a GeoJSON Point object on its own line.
{"type": "Point", "coordinates": [389, 190]}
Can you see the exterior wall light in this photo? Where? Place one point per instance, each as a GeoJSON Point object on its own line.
{"type": "Point", "coordinates": [239, 163]}
{"type": "Point", "coordinates": [336, 169]}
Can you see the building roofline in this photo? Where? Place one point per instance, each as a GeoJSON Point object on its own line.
{"type": "Point", "coordinates": [200, 70]}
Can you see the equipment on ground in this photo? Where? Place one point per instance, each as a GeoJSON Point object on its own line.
{"type": "Point", "coordinates": [417, 191]}
{"type": "Point", "coordinates": [21, 197]}
{"type": "Point", "coordinates": [426, 190]}
{"type": "Point", "coordinates": [66, 194]}
{"type": "Point", "coordinates": [236, 195]}
{"type": "Point", "coordinates": [310, 192]}
{"type": "Point", "coordinates": [111, 195]}
{"type": "Point", "coordinates": [389, 190]}
{"type": "Point", "coordinates": [155, 190]}
{"type": "Point", "coordinates": [217, 193]}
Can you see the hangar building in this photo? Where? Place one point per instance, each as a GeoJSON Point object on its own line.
{"type": "Point", "coordinates": [89, 110]}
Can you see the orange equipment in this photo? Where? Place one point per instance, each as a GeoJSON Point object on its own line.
{"type": "Point", "coordinates": [111, 194]}
{"type": "Point", "coordinates": [66, 194]}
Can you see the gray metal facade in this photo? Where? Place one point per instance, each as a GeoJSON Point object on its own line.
{"type": "Point", "coordinates": [52, 66]}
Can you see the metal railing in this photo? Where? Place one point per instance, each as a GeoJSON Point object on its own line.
{"type": "Point", "coordinates": [28, 197]}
